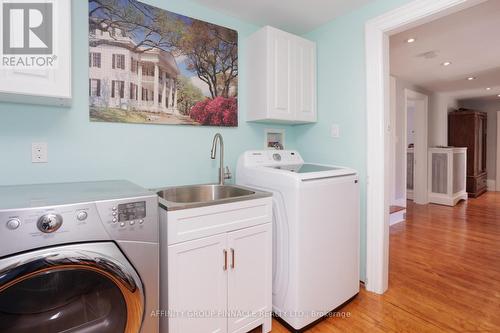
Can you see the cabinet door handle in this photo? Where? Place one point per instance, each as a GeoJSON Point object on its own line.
{"type": "Point", "coordinates": [225, 259]}
{"type": "Point", "coordinates": [233, 259]}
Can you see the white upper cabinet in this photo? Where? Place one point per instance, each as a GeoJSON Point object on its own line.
{"type": "Point", "coordinates": [281, 76]}
{"type": "Point", "coordinates": [37, 70]}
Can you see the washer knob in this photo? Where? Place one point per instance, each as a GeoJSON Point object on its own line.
{"type": "Point", "coordinates": [13, 224]}
{"type": "Point", "coordinates": [82, 216]}
{"type": "Point", "coordinates": [277, 157]}
{"type": "Point", "coordinates": [49, 223]}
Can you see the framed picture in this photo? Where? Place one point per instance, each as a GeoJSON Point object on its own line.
{"type": "Point", "coordinates": [149, 65]}
{"type": "Point", "coordinates": [275, 139]}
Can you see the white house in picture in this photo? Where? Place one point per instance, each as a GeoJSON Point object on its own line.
{"type": "Point", "coordinates": [127, 77]}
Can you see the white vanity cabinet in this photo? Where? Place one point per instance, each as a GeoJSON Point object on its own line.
{"type": "Point", "coordinates": [281, 73]}
{"type": "Point", "coordinates": [47, 85]}
{"type": "Point", "coordinates": [218, 276]}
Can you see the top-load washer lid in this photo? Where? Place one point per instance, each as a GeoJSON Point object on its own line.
{"type": "Point", "coordinates": [308, 171]}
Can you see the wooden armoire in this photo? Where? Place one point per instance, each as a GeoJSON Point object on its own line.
{"type": "Point", "coordinates": [467, 128]}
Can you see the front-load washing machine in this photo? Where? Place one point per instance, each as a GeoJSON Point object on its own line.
{"type": "Point", "coordinates": [79, 258]}
{"type": "Point", "coordinates": [316, 232]}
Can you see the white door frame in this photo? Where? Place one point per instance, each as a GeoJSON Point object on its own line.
{"type": "Point", "coordinates": [497, 177]}
{"type": "Point", "coordinates": [420, 193]}
{"type": "Point", "coordinates": [393, 148]}
{"type": "Point", "coordinates": [377, 31]}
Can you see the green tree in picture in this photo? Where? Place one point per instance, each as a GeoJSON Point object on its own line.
{"type": "Point", "coordinates": [188, 96]}
{"type": "Point", "coordinates": [211, 50]}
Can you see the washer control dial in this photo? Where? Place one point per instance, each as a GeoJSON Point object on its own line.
{"type": "Point", "coordinates": [277, 157]}
{"type": "Point", "coordinates": [49, 223]}
{"type": "Point", "coordinates": [13, 224]}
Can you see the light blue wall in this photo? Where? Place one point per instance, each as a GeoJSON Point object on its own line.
{"type": "Point", "coordinates": [156, 155]}
{"type": "Point", "coordinates": [341, 97]}
{"type": "Point", "coordinates": [150, 155]}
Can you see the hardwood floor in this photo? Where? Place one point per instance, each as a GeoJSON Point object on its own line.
{"type": "Point", "coordinates": [395, 209]}
{"type": "Point", "coordinates": [444, 274]}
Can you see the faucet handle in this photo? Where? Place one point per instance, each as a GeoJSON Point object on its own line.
{"type": "Point", "coordinates": [227, 173]}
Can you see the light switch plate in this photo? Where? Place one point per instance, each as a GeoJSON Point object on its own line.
{"type": "Point", "coordinates": [335, 131]}
{"type": "Point", "coordinates": [39, 152]}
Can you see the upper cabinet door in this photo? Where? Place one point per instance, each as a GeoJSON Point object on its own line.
{"type": "Point", "coordinates": [306, 80]}
{"type": "Point", "coordinates": [197, 281]}
{"type": "Point", "coordinates": [250, 275]}
{"type": "Point", "coordinates": [281, 76]}
{"type": "Point", "coordinates": [38, 70]}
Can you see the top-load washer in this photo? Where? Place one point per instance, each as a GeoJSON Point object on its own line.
{"type": "Point", "coordinates": [316, 232]}
{"type": "Point", "coordinates": [79, 258]}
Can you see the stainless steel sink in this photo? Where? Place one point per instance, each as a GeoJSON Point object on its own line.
{"type": "Point", "coordinates": [191, 196]}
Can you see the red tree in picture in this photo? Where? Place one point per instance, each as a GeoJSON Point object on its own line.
{"type": "Point", "coordinates": [220, 111]}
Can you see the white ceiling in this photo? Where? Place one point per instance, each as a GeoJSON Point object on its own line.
{"type": "Point", "coordinates": [296, 16]}
{"type": "Point", "coordinates": [470, 39]}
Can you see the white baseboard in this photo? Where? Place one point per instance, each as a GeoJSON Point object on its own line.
{"type": "Point", "coordinates": [397, 217]}
{"type": "Point", "coordinates": [442, 199]}
{"type": "Point", "coordinates": [491, 184]}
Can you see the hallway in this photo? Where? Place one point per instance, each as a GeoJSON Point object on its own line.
{"type": "Point", "coordinates": [444, 274]}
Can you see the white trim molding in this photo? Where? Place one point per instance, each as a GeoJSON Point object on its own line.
{"type": "Point", "coordinates": [491, 184]}
{"type": "Point", "coordinates": [377, 31]}
{"type": "Point", "coordinates": [398, 217]}
{"type": "Point", "coordinates": [498, 153]}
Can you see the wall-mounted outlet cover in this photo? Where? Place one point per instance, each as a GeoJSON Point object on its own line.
{"type": "Point", "coordinates": [335, 131]}
{"type": "Point", "coordinates": [39, 152]}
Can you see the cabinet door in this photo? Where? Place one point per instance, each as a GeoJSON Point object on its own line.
{"type": "Point", "coordinates": [197, 282]}
{"type": "Point", "coordinates": [52, 85]}
{"type": "Point", "coordinates": [305, 67]}
{"type": "Point", "coordinates": [280, 76]}
{"type": "Point", "coordinates": [250, 275]}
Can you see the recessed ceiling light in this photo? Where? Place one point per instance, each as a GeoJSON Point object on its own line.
{"type": "Point", "coordinates": [446, 63]}
{"type": "Point", "coordinates": [471, 78]}
{"type": "Point", "coordinates": [488, 88]}
{"type": "Point", "coordinates": [411, 40]}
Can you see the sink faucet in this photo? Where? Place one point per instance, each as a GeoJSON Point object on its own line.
{"type": "Point", "coordinates": [223, 173]}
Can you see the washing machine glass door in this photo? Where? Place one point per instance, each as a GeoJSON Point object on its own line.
{"type": "Point", "coordinates": [70, 291]}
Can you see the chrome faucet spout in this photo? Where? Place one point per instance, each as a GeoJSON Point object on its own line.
{"type": "Point", "coordinates": [218, 139]}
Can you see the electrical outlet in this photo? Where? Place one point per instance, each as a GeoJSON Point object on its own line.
{"type": "Point", "coordinates": [335, 131]}
{"type": "Point", "coordinates": [39, 153]}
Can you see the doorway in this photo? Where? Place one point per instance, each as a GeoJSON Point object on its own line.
{"type": "Point", "coordinates": [415, 145]}
{"type": "Point", "coordinates": [377, 32]}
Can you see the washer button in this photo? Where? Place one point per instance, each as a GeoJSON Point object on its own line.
{"type": "Point", "coordinates": [82, 216]}
{"type": "Point", "coordinates": [13, 224]}
{"type": "Point", "coordinates": [132, 222]}
{"type": "Point", "coordinates": [114, 214]}
{"type": "Point", "coordinates": [141, 221]}
{"type": "Point", "coordinates": [114, 220]}
{"type": "Point", "coordinates": [122, 224]}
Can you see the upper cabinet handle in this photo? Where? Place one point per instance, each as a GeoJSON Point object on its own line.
{"type": "Point", "coordinates": [233, 260]}
{"type": "Point", "coordinates": [225, 260]}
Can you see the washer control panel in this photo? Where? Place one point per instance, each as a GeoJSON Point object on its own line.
{"type": "Point", "coordinates": [133, 219]}
{"type": "Point", "coordinates": [272, 157]}
{"type": "Point", "coordinates": [48, 220]}
{"type": "Point", "coordinates": [129, 213]}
